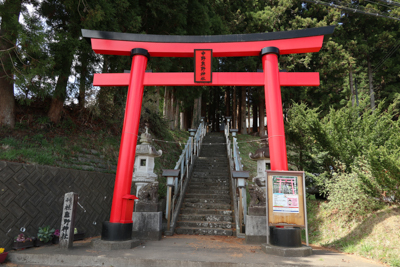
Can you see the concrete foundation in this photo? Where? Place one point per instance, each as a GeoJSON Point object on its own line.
{"type": "Point", "coordinates": [256, 229]}
{"type": "Point", "coordinates": [114, 245]}
{"type": "Point", "coordinates": [303, 251]}
{"type": "Point", "coordinates": [147, 225]}
{"type": "Point", "coordinates": [258, 211]}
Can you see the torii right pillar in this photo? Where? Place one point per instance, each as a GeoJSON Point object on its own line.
{"type": "Point", "coordinates": [273, 104]}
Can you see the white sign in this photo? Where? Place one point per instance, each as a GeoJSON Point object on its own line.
{"type": "Point", "coordinates": [285, 194]}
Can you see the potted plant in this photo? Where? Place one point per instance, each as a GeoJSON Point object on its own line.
{"type": "Point", "coordinates": [3, 255]}
{"type": "Point", "coordinates": [44, 236]}
{"type": "Point", "coordinates": [22, 242]}
{"type": "Point", "coordinates": [56, 237]}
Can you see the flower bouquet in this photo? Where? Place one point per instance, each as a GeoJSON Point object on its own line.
{"type": "Point", "coordinates": [21, 242]}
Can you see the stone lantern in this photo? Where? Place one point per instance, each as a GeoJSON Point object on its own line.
{"type": "Point", "coordinates": [144, 162]}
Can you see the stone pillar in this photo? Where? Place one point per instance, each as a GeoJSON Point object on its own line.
{"type": "Point", "coordinates": [68, 220]}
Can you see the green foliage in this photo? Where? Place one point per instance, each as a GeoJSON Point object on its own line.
{"type": "Point", "coordinates": [45, 234]}
{"type": "Point", "coordinates": [344, 137]}
{"type": "Point", "coordinates": [346, 193]}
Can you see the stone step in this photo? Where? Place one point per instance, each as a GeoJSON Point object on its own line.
{"type": "Point", "coordinates": [212, 186]}
{"type": "Point", "coordinates": [215, 206]}
{"type": "Point", "coordinates": [202, 172]}
{"type": "Point", "coordinates": [211, 177]}
{"type": "Point", "coordinates": [197, 200]}
{"type": "Point", "coordinates": [207, 196]}
{"type": "Point", "coordinates": [203, 175]}
{"type": "Point", "coordinates": [203, 224]}
{"type": "Point", "coordinates": [209, 180]}
{"type": "Point", "coordinates": [208, 191]}
{"type": "Point", "coordinates": [205, 217]}
{"type": "Point", "coordinates": [216, 160]}
{"type": "Point", "coordinates": [211, 167]}
{"type": "Point", "coordinates": [212, 163]}
{"type": "Point", "coordinates": [211, 155]}
{"type": "Point", "coordinates": [206, 211]}
{"type": "Point", "coordinates": [203, 231]}
{"type": "Point", "coordinates": [206, 147]}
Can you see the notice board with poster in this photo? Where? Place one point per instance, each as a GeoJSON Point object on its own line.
{"type": "Point", "coordinates": [286, 199]}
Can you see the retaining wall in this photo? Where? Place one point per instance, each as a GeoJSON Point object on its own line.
{"type": "Point", "coordinates": [31, 196]}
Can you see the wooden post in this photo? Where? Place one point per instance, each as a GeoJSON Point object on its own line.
{"type": "Point", "coordinates": [169, 194]}
{"type": "Point", "coordinates": [240, 210]}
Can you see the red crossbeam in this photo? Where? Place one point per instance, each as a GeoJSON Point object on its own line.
{"type": "Point", "coordinates": [219, 79]}
{"type": "Point", "coordinates": [236, 49]}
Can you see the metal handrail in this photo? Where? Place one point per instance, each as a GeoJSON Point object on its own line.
{"type": "Point", "coordinates": [235, 164]}
{"type": "Point", "coordinates": [184, 164]}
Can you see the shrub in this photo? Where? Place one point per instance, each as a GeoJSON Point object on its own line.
{"type": "Point", "coordinates": [346, 194]}
{"type": "Point", "coordinates": [344, 136]}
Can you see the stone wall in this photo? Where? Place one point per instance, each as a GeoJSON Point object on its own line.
{"type": "Point", "coordinates": [31, 196]}
{"type": "Point", "coordinates": [89, 160]}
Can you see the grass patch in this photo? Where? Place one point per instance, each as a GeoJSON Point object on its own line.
{"type": "Point", "coordinates": [60, 146]}
{"type": "Point", "coordinates": [248, 144]}
{"type": "Point", "coordinates": [375, 236]}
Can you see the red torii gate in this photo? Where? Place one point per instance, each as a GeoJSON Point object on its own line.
{"type": "Point", "coordinates": [140, 47]}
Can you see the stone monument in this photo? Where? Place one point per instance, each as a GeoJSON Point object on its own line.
{"type": "Point", "coordinates": [256, 218]}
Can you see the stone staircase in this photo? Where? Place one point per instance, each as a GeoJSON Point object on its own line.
{"type": "Point", "coordinates": [206, 209]}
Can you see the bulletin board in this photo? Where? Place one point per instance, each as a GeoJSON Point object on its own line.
{"type": "Point", "coordinates": [286, 199]}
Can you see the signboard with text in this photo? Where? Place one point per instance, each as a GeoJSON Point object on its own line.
{"type": "Point", "coordinates": [286, 198]}
{"type": "Point", "coordinates": [202, 66]}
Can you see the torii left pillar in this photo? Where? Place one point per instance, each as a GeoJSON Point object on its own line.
{"type": "Point", "coordinates": [119, 228]}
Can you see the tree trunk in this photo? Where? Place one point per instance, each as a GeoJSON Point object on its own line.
{"type": "Point", "coordinates": [166, 102]}
{"type": "Point", "coordinates": [82, 82]}
{"type": "Point", "coordinates": [254, 117]}
{"type": "Point", "coordinates": [57, 102]}
{"type": "Point", "coordinates": [157, 99]}
{"type": "Point", "coordinates": [248, 110]}
{"type": "Point", "coordinates": [176, 119]}
{"type": "Point", "coordinates": [203, 105]}
{"type": "Point", "coordinates": [188, 117]}
{"type": "Point", "coordinates": [214, 109]}
{"type": "Point", "coordinates": [183, 122]}
{"type": "Point", "coordinates": [262, 115]}
{"type": "Point", "coordinates": [199, 111]}
{"type": "Point", "coordinates": [195, 113]}
{"type": "Point", "coordinates": [216, 100]}
{"type": "Point", "coordinates": [239, 110]}
{"type": "Point", "coordinates": [227, 101]}
{"type": "Point", "coordinates": [351, 86]}
{"type": "Point", "coordinates": [60, 92]}
{"type": "Point", "coordinates": [243, 111]}
{"type": "Point", "coordinates": [8, 33]}
{"type": "Point", "coordinates": [234, 110]}
{"type": "Point", "coordinates": [371, 88]}
{"type": "Point", "coordinates": [171, 110]}
{"type": "Point", "coordinates": [103, 100]}
{"type": "Point", "coordinates": [210, 109]}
